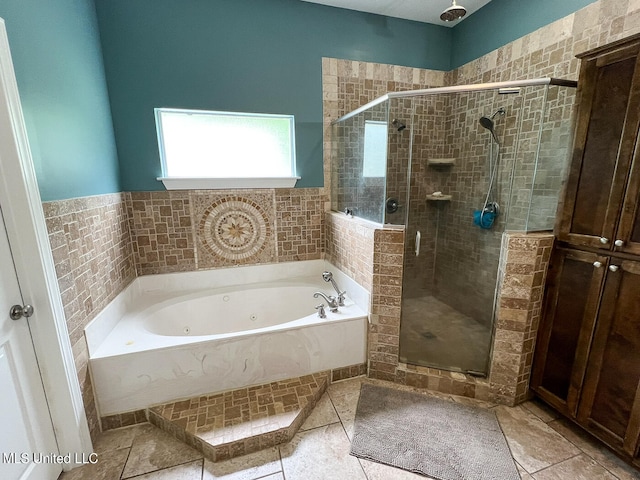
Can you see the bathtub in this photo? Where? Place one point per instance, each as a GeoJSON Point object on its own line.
{"type": "Point", "coordinates": [173, 336]}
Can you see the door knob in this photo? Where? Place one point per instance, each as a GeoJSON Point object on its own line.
{"type": "Point", "coordinates": [604, 240]}
{"type": "Point", "coordinates": [597, 264]}
{"type": "Point", "coordinates": [619, 243]}
{"type": "Point", "coordinates": [614, 268]}
{"type": "Point", "coordinates": [17, 312]}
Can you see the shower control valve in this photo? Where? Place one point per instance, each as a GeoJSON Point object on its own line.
{"type": "Point", "coordinates": [604, 240]}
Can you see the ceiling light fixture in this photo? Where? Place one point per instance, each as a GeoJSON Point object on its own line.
{"type": "Point", "coordinates": [454, 12]}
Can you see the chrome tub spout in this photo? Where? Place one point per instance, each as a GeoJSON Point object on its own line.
{"type": "Point", "coordinates": [332, 302]}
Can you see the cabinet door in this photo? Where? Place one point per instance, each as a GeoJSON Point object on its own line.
{"type": "Point", "coordinates": [574, 284]}
{"type": "Point", "coordinates": [610, 404]}
{"type": "Point", "coordinates": [607, 124]}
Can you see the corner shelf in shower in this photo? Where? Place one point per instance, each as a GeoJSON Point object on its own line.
{"type": "Point", "coordinates": [439, 198]}
{"type": "Point", "coordinates": [441, 162]}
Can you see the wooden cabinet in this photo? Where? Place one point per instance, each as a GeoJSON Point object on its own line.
{"type": "Point", "coordinates": [587, 357]}
{"type": "Point", "coordinates": [610, 400]}
{"type": "Point", "coordinates": [600, 209]}
{"type": "Point", "coordinates": [587, 363]}
{"type": "Point", "coordinates": [564, 336]}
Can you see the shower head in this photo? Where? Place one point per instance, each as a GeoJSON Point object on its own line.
{"type": "Point", "coordinates": [454, 12]}
{"type": "Point", "coordinates": [398, 124]}
{"type": "Point", "coordinates": [487, 122]}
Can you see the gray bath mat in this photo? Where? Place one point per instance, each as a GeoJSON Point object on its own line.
{"type": "Point", "coordinates": [430, 436]}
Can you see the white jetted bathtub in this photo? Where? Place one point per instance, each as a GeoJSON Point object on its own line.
{"type": "Point", "coordinates": [174, 336]}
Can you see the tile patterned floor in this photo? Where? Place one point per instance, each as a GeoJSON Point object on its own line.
{"type": "Point", "coordinates": [544, 446]}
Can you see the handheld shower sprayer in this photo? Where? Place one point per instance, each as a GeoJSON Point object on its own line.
{"type": "Point", "coordinates": [328, 277]}
{"type": "Point", "coordinates": [487, 122]}
{"type": "Point", "coordinates": [485, 217]}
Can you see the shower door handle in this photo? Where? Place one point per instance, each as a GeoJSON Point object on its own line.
{"type": "Point", "coordinates": [417, 244]}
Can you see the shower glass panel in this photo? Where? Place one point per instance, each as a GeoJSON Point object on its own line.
{"type": "Point", "coordinates": [554, 144]}
{"type": "Point", "coordinates": [359, 163]}
{"type": "Point", "coordinates": [463, 165]}
{"type": "Point", "coordinates": [398, 160]}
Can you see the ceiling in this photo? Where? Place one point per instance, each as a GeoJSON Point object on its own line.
{"type": "Point", "coordinates": [427, 11]}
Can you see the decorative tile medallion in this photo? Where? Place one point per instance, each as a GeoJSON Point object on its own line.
{"type": "Point", "coordinates": [234, 229]}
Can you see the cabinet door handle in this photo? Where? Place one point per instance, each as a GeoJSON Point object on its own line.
{"type": "Point", "coordinates": [619, 243]}
{"type": "Point", "coordinates": [604, 240]}
{"type": "Point", "coordinates": [597, 264]}
{"type": "Point", "coordinates": [614, 268]}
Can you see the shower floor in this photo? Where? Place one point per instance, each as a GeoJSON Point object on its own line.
{"type": "Point", "coordinates": [433, 334]}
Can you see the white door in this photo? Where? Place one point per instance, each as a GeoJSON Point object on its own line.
{"type": "Point", "coordinates": [27, 443]}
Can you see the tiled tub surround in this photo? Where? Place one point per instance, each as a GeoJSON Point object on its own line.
{"type": "Point", "coordinates": [94, 262]}
{"type": "Point", "coordinates": [238, 327]}
{"type": "Point", "coordinates": [100, 243]}
{"type": "Point", "coordinates": [176, 231]}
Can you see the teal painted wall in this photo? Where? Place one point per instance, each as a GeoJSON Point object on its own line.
{"type": "Point", "coordinates": [56, 53]}
{"type": "Point", "coordinates": [240, 55]}
{"type": "Point", "coordinates": [503, 21]}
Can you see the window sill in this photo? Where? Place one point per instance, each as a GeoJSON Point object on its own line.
{"type": "Point", "coordinates": [183, 183]}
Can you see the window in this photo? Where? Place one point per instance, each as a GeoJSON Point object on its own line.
{"type": "Point", "coordinates": [207, 149]}
{"type": "Point", "coordinates": [375, 149]}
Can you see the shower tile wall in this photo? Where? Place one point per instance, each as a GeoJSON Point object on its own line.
{"type": "Point", "coordinates": [94, 262]}
{"type": "Point", "coordinates": [349, 247]}
{"type": "Point", "coordinates": [373, 257]}
{"type": "Point", "coordinates": [522, 277]}
{"type": "Point", "coordinates": [348, 85]}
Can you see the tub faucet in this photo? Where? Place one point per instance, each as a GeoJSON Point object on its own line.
{"type": "Point", "coordinates": [332, 302]}
{"type": "Point", "coordinates": [328, 277]}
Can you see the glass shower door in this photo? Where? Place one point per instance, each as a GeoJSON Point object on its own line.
{"type": "Point", "coordinates": [457, 168]}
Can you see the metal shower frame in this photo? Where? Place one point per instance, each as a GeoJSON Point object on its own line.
{"type": "Point", "coordinates": [477, 87]}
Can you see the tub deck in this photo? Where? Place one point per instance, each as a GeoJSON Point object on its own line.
{"type": "Point", "coordinates": [138, 359]}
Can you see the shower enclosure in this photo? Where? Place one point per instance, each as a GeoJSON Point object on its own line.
{"type": "Point", "coordinates": [457, 167]}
